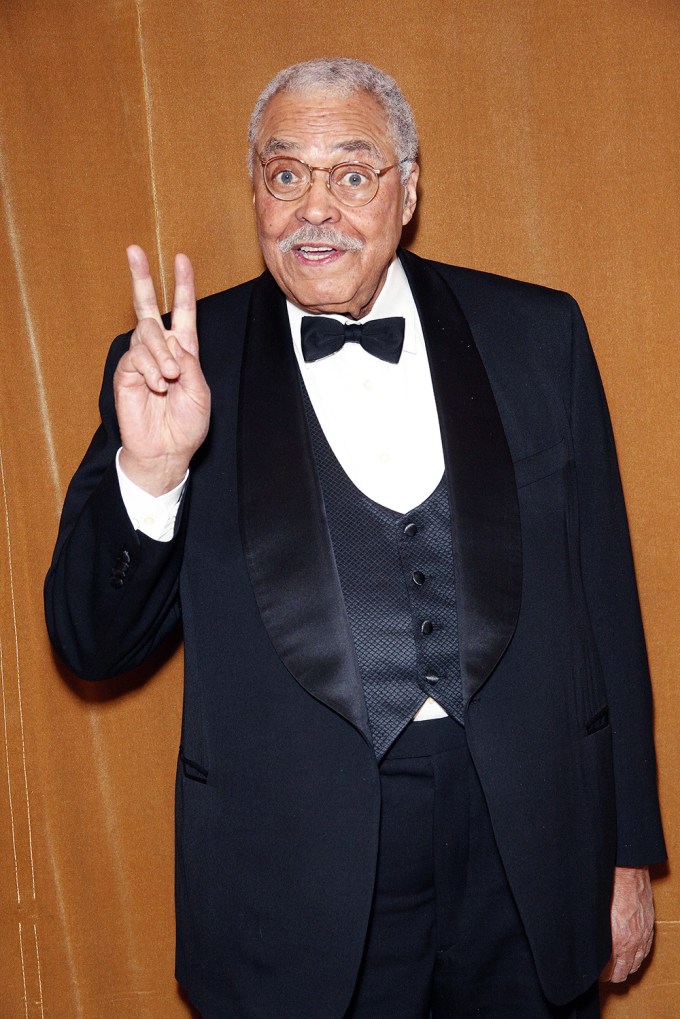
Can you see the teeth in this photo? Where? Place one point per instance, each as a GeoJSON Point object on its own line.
{"type": "Point", "coordinates": [315, 254]}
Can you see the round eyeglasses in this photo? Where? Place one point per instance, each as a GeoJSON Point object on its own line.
{"type": "Point", "coordinates": [354, 184]}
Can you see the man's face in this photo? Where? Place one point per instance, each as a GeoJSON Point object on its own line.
{"type": "Point", "coordinates": [322, 130]}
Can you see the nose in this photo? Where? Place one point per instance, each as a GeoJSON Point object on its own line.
{"type": "Point", "coordinates": [318, 205]}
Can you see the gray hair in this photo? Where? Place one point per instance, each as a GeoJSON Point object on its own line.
{"type": "Point", "coordinates": [343, 76]}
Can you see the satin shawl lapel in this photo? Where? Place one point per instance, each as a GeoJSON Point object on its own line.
{"type": "Point", "coordinates": [483, 497]}
{"type": "Point", "coordinates": [283, 522]}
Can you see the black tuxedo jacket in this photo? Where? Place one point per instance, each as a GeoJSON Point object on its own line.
{"type": "Point", "coordinates": [277, 785]}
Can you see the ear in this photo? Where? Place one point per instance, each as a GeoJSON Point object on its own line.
{"type": "Point", "coordinates": [410, 195]}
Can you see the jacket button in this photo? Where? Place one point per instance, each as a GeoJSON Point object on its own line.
{"type": "Point", "coordinates": [418, 578]}
{"type": "Point", "coordinates": [426, 627]}
{"type": "Point", "coordinates": [431, 678]}
{"type": "Point", "coordinates": [411, 530]}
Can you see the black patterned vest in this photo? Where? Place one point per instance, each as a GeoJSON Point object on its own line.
{"type": "Point", "coordinates": [397, 578]}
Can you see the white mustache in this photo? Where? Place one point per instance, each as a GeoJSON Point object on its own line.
{"type": "Point", "coordinates": [327, 236]}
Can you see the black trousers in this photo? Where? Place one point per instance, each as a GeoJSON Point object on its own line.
{"type": "Point", "coordinates": [445, 940]}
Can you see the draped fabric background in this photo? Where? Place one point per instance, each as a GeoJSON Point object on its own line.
{"type": "Point", "coordinates": [549, 152]}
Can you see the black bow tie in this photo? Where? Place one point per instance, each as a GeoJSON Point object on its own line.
{"type": "Point", "coordinates": [382, 337]}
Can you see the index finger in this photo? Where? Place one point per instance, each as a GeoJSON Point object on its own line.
{"type": "Point", "coordinates": [143, 293]}
{"type": "Point", "coordinates": [184, 304]}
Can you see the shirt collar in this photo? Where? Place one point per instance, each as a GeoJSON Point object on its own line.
{"type": "Point", "coordinates": [395, 299]}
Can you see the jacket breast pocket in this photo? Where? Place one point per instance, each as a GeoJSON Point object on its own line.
{"type": "Point", "coordinates": [192, 769]}
{"type": "Point", "coordinates": [542, 463]}
{"type": "Point", "coordinates": [600, 720]}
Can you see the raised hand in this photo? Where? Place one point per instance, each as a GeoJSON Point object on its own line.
{"type": "Point", "coordinates": [162, 398]}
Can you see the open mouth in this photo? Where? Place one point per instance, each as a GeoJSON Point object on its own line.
{"type": "Point", "coordinates": [317, 253]}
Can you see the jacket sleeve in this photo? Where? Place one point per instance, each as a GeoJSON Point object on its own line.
{"type": "Point", "coordinates": [612, 602]}
{"type": "Point", "coordinates": [111, 594]}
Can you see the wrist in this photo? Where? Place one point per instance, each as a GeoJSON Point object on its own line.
{"type": "Point", "coordinates": [155, 475]}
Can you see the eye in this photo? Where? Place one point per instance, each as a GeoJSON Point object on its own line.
{"type": "Point", "coordinates": [285, 177]}
{"type": "Point", "coordinates": [353, 178]}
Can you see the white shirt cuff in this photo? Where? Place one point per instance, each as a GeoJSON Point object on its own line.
{"type": "Point", "coordinates": [153, 515]}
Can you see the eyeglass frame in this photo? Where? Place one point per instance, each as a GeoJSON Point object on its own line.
{"type": "Point", "coordinates": [326, 169]}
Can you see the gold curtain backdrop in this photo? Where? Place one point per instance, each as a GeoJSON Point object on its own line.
{"type": "Point", "coordinates": [549, 152]}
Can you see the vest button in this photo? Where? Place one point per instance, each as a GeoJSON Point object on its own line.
{"type": "Point", "coordinates": [432, 678]}
{"type": "Point", "coordinates": [411, 530]}
{"type": "Point", "coordinates": [418, 578]}
{"type": "Point", "coordinates": [426, 627]}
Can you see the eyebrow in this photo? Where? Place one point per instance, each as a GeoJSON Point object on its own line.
{"type": "Point", "coordinates": [350, 145]}
{"type": "Point", "coordinates": [358, 145]}
{"type": "Point", "coordinates": [275, 145]}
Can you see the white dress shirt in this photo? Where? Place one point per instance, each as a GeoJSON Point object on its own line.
{"type": "Point", "coordinates": [380, 420]}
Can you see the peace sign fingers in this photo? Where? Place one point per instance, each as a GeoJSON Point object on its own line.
{"type": "Point", "coordinates": [162, 398]}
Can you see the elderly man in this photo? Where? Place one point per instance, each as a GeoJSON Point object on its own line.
{"type": "Point", "coordinates": [416, 774]}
